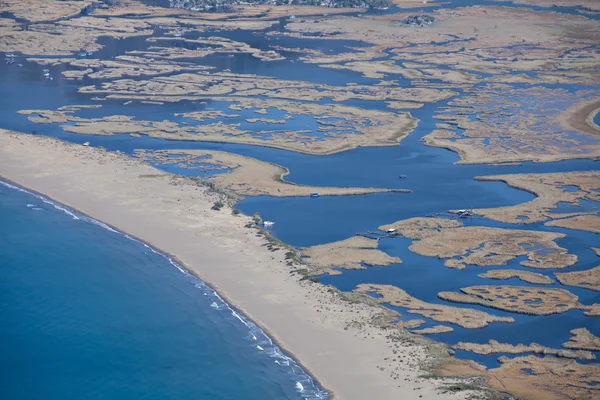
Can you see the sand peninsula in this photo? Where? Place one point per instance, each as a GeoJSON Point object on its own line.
{"type": "Point", "coordinates": [331, 337]}
{"type": "Point", "coordinates": [245, 176]}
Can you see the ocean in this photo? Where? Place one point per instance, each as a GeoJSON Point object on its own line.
{"type": "Point", "coordinates": [89, 313]}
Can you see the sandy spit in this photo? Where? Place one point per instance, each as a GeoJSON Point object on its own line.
{"type": "Point", "coordinates": [327, 336]}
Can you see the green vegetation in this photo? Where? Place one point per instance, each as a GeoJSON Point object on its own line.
{"type": "Point", "coordinates": [217, 206]}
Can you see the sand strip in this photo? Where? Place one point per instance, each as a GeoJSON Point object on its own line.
{"type": "Point", "coordinates": [177, 219]}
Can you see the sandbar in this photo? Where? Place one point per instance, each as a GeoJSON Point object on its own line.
{"type": "Point", "coordinates": [244, 175]}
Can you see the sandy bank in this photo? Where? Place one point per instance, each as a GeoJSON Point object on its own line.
{"type": "Point", "coordinates": [244, 175]}
{"type": "Point", "coordinates": [332, 338]}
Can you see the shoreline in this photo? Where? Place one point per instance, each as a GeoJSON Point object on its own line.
{"type": "Point", "coordinates": [329, 338]}
{"type": "Point", "coordinates": [175, 262]}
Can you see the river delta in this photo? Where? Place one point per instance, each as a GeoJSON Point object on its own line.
{"type": "Point", "coordinates": [394, 129]}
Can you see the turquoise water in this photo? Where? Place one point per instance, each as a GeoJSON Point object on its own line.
{"type": "Point", "coordinates": [88, 313]}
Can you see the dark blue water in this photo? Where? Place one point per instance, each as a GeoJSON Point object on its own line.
{"type": "Point", "coordinates": [87, 313]}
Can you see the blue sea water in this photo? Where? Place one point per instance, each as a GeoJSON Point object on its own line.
{"type": "Point", "coordinates": [88, 313]}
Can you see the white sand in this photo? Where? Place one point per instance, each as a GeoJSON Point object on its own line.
{"type": "Point", "coordinates": [303, 317]}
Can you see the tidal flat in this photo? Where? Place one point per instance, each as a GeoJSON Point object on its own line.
{"type": "Point", "coordinates": [489, 109]}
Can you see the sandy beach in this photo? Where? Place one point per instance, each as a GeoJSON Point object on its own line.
{"type": "Point", "coordinates": [330, 337]}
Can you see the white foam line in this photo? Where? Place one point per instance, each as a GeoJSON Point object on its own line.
{"type": "Point", "coordinates": [273, 351]}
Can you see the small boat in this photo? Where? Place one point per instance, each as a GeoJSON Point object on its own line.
{"type": "Point", "coordinates": [391, 230]}
{"type": "Point", "coordinates": [268, 223]}
{"type": "Point", "coordinates": [46, 71]}
{"type": "Point", "coordinates": [314, 194]}
{"type": "Point", "coordinates": [402, 177]}
{"type": "Point", "coordinates": [464, 213]}
{"type": "Point", "coordinates": [10, 55]}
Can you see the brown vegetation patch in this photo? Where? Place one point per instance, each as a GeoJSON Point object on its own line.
{"type": "Point", "coordinates": [547, 378]}
{"type": "Point", "coordinates": [421, 228]}
{"type": "Point", "coordinates": [519, 299]}
{"type": "Point", "coordinates": [66, 37]}
{"type": "Point", "coordinates": [525, 276]}
{"type": "Point", "coordinates": [44, 11]}
{"type": "Point", "coordinates": [485, 246]}
{"type": "Point", "coordinates": [583, 339]}
{"type": "Point", "coordinates": [549, 190]}
{"type": "Point", "coordinates": [501, 123]}
{"type": "Point", "coordinates": [434, 330]}
{"type": "Point", "coordinates": [590, 223]}
{"type": "Point", "coordinates": [350, 253]}
{"type": "Point", "coordinates": [588, 279]}
{"type": "Point", "coordinates": [494, 347]}
{"type": "Point", "coordinates": [465, 317]}
{"type": "Point", "coordinates": [345, 127]}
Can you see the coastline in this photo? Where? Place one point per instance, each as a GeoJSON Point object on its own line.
{"type": "Point", "coordinates": [175, 263]}
{"type": "Point", "coordinates": [338, 350]}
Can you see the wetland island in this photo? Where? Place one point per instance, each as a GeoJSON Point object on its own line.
{"type": "Point", "coordinates": [384, 198]}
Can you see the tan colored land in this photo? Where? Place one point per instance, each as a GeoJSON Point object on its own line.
{"type": "Point", "coordinates": [587, 279]}
{"type": "Point", "coordinates": [200, 86]}
{"type": "Point", "coordinates": [344, 127]}
{"type": "Point", "coordinates": [333, 338]}
{"type": "Point", "coordinates": [581, 117]}
{"type": "Point", "coordinates": [421, 228]}
{"type": "Point", "coordinates": [214, 45]}
{"type": "Point", "coordinates": [242, 12]}
{"type": "Point", "coordinates": [494, 347]}
{"type": "Point", "coordinates": [465, 317]}
{"type": "Point", "coordinates": [525, 276]}
{"type": "Point", "coordinates": [592, 5]}
{"type": "Point", "coordinates": [520, 299]}
{"type": "Point", "coordinates": [497, 123]}
{"type": "Point", "coordinates": [434, 330]}
{"type": "Point", "coordinates": [549, 190]}
{"type": "Point", "coordinates": [382, 69]}
{"type": "Point", "coordinates": [583, 339]}
{"type": "Point", "coordinates": [410, 324]}
{"type": "Point", "coordinates": [244, 175]}
{"type": "Point", "coordinates": [547, 378]}
{"type": "Point", "coordinates": [346, 254]}
{"type": "Point", "coordinates": [65, 37]}
{"type": "Point", "coordinates": [545, 43]}
{"type": "Point", "coordinates": [483, 246]}
{"type": "Point", "coordinates": [416, 3]}
{"type": "Point", "coordinates": [590, 223]}
{"type": "Point", "coordinates": [121, 66]}
{"type": "Point", "coordinates": [44, 11]}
